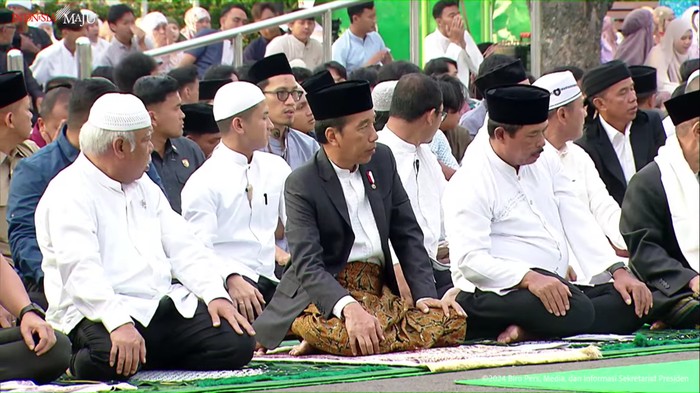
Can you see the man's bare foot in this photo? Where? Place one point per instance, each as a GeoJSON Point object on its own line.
{"type": "Point", "coordinates": [658, 325]}
{"type": "Point", "coordinates": [513, 334]}
{"type": "Point", "coordinates": [259, 349]}
{"type": "Point", "coordinates": [302, 349]}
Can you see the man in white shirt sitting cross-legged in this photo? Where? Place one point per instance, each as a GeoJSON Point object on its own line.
{"type": "Point", "coordinates": [511, 215]}
{"type": "Point", "coordinates": [123, 274]}
{"type": "Point", "coordinates": [237, 218]}
{"type": "Point", "coordinates": [565, 125]}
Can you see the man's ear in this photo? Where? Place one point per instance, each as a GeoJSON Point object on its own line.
{"type": "Point", "coordinates": [599, 104]}
{"type": "Point", "coordinates": [120, 147]}
{"type": "Point", "coordinates": [154, 119]}
{"type": "Point", "coordinates": [332, 136]}
{"type": "Point", "coordinates": [499, 133]}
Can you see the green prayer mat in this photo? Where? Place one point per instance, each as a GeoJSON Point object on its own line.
{"type": "Point", "coordinates": [677, 377]}
{"type": "Point", "coordinates": [651, 342]}
{"type": "Point", "coordinates": [275, 376]}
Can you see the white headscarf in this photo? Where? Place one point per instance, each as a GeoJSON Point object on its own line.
{"type": "Point", "coordinates": [664, 57]}
{"type": "Point", "coordinates": [192, 16]}
{"type": "Point", "coordinates": [691, 15]}
{"type": "Point", "coordinates": [150, 22]}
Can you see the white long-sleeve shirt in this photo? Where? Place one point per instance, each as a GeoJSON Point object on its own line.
{"type": "Point", "coordinates": [468, 59]}
{"type": "Point", "coordinates": [591, 190]}
{"type": "Point", "coordinates": [215, 202]}
{"type": "Point", "coordinates": [424, 182]}
{"type": "Point", "coordinates": [501, 223]}
{"type": "Point", "coordinates": [54, 61]}
{"type": "Point", "coordinates": [111, 251]}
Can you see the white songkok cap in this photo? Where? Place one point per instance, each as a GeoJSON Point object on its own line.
{"type": "Point", "coordinates": [119, 112]}
{"type": "Point", "coordinates": [236, 97]}
{"type": "Point", "coordinates": [562, 86]}
{"type": "Point", "coordinates": [382, 95]}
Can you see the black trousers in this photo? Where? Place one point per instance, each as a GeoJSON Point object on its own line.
{"type": "Point", "coordinates": [173, 342]}
{"type": "Point", "coordinates": [443, 281]}
{"type": "Point", "coordinates": [593, 310]}
{"type": "Point", "coordinates": [18, 362]}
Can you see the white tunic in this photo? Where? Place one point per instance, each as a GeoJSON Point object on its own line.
{"type": "Point", "coordinates": [54, 61]}
{"type": "Point", "coordinates": [501, 223]}
{"type": "Point", "coordinates": [468, 60]}
{"type": "Point", "coordinates": [311, 52]}
{"type": "Point", "coordinates": [424, 182]}
{"type": "Point", "coordinates": [216, 204]}
{"type": "Point", "coordinates": [111, 251]}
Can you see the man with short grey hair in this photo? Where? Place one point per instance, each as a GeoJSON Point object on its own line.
{"type": "Point", "coordinates": [117, 278]}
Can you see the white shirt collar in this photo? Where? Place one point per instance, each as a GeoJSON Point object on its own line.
{"type": "Point", "coordinates": [496, 161]}
{"type": "Point", "coordinates": [343, 173]}
{"type": "Point", "coordinates": [238, 158]}
{"type": "Point", "coordinates": [398, 143]}
{"type": "Point", "coordinates": [96, 173]}
{"type": "Point", "coordinates": [611, 131]}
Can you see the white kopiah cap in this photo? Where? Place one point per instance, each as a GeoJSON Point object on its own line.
{"type": "Point", "coordinates": [119, 112]}
{"type": "Point", "coordinates": [562, 86]}
{"type": "Point", "coordinates": [236, 97]}
{"type": "Point", "coordinates": [382, 94]}
{"type": "Point", "coordinates": [694, 75]}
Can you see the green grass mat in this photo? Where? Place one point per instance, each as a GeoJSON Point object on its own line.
{"type": "Point", "coordinates": [648, 342]}
{"type": "Point", "coordinates": [677, 377]}
{"type": "Point", "coordinates": [286, 375]}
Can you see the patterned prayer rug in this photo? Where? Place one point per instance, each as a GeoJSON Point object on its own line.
{"type": "Point", "coordinates": [465, 357]}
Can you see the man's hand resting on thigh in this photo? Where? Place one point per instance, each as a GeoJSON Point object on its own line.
{"type": "Point", "coordinates": [553, 293]}
{"type": "Point", "coordinates": [223, 308]}
{"type": "Point", "coordinates": [626, 284]}
{"type": "Point", "coordinates": [363, 328]}
{"type": "Point", "coordinates": [128, 349]}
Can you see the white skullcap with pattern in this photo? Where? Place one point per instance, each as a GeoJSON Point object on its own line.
{"type": "Point", "coordinates": [119, 112]}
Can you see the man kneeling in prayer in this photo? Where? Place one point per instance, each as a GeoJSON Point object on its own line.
{"type": "Point", "coordinates": [509, 213]}
{"type": "Point", "coordinates": [339, 293]}
{"type": "Point", "coordinates": [660, 219]}
{"type": "Point", "coordinates": [112, 247]}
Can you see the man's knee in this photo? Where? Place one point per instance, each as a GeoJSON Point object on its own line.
{"type": "Point", "coordinates": [227, 350]}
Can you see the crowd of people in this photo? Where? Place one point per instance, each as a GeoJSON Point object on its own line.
{"type": "Point", "coordinates": [362, 206]}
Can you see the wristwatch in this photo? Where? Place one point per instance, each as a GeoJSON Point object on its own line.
{"type": "Point", "coordinates": [32, 307]}
{"type": "Point", "coordinates": [615, 267]}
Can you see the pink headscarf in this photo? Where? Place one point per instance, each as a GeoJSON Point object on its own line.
{"type": "Point", "coordinates": [691, 15]}
{"type": "Point", "coordinates": [608, 41]}
{"type": "Point", "coordinates": [638, 33]}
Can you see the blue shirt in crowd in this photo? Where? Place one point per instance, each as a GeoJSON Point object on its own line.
{"type": "Point", "coordinates": [30, 179]}
{"type": "Point", "coordinates": [353, 52]}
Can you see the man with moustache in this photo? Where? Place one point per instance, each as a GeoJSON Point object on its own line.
{"type": "Point", "coordinates": [174, 156]}
{"type": "Point", "coordinates": [274, 77]}
{"type": "Point", "coordinates": [339, 293]}
{"type": "Point", "coordinates": [622, 138]}
{"type": "Point", "coordinates": [511, 216]}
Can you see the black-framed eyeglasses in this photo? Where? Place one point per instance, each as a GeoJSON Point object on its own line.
{"type": "Point", "coordinates": [283, 95]}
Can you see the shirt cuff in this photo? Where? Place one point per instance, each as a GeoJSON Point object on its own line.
{"type": "Point", "coordinates": [240, 269]}
{"type": "Point", "coordinates": [344, 301]}
{"type": "Point", "coordinates": [115, 318]}
{"type": "Point", "coordinates": [215, 293]}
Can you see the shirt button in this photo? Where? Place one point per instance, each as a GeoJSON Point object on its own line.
{"type": "Point", "coordinates": [531, 202]}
